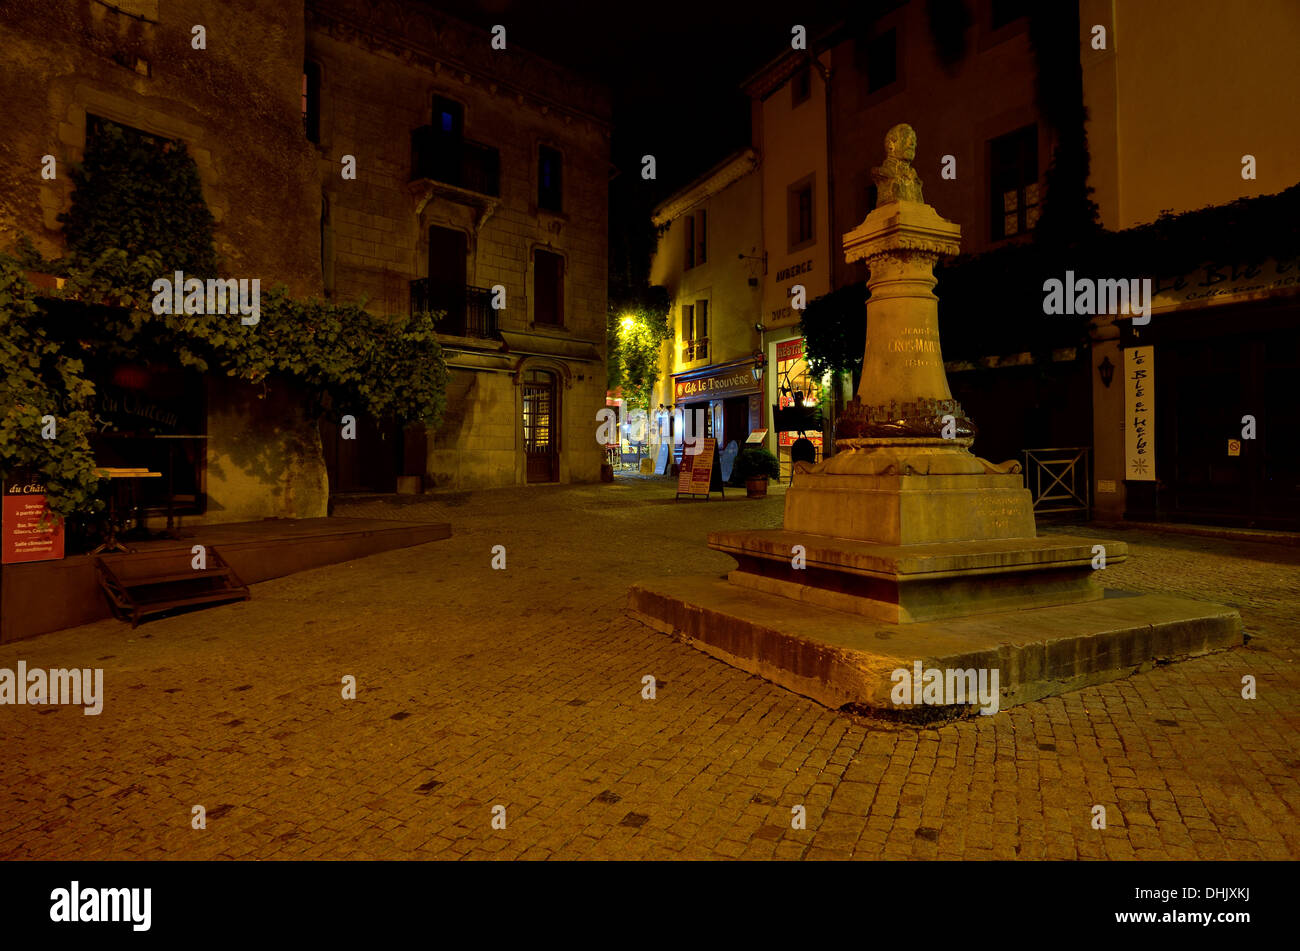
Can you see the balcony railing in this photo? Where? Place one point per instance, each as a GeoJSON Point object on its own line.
{"type": "Point", "coordinates": [452, 161]}
{"type": "Point", "coordinates": [697, 349]}
{"type": "Point", "coordinates": [469, 309]}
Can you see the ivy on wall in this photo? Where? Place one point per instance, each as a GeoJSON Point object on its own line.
{"type": "Point", "coordinates": [137, 214]}
{"type": "Point", "coordinates": [38, 378]}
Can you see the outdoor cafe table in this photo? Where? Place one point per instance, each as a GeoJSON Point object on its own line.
{"type": "Point", "coordinates": [111, 542]}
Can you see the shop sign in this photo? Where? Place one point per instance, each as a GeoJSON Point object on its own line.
{"type": "Point", "coordinates": [1225, 283]}
{"type": "Point", "coordinates": [30, 534]}
{"type": "Point", "coordinates": [732, 383]}
{"type": "Point", "coordinates": [790, 349]}
{"type": "Point", "coordinates": [1139, 414]}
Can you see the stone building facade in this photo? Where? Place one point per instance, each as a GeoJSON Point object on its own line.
{"type": "Point", "coordinates": [801, 238]}
{"type": "Point", "coordinates": [708, 257]}
{"type": "Point", "coordinates": [235, 104]}
{"type": "Point", "coordinates": [268, 103]}
{"type": "Point", "coordinates": [481, 173]}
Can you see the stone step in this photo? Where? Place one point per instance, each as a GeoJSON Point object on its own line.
{"type": "Point", "coordinates": [847, 660]}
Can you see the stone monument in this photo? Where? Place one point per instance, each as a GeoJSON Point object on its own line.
{"type": "Point", "coordinates": [905, 526]}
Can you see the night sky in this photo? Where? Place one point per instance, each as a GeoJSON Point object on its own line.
{"type": "Point", "coordinates": [674, 66]}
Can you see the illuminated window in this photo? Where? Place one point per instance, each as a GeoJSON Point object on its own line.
{"type": "Point", "coordinates": [1013, 177]}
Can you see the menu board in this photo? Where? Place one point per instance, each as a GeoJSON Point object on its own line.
{"type": "Point", "coordinates": [696, 476]}
{"type": "Point", "coordinates": [28, 537]}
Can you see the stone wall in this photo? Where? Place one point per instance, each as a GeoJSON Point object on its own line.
{"type": "Point", "coordinates": [235, 105]}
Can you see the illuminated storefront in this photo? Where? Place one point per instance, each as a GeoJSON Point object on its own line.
{"type": "Point", "coordinates": [796, 394]}
{"type": "Point", "coordinates": [728, 399]}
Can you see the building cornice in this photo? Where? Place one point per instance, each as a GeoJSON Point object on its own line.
{"type": "Point", "coordinates": [423, 37]}
{"type": "Point", "coordinates": [729, 171]}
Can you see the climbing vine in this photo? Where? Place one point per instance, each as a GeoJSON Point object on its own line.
{"type": "Point", "coordinates": [138, 214]}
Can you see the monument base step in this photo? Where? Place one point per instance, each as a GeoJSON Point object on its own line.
{"type": "Point", "coordinates": [841, 659]}
{"type": "Point", "coordinates": [911, 583]}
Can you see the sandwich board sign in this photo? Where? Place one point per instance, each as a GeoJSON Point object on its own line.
{"type": "Point", "coordinates": [700, 473]}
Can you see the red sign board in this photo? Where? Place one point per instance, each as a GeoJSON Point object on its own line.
{"type": "Point", "coordinates": [697, 471]}
{"type": "Point", "coordinates": [790, 349]}
{"type": "Point", "coordinates": [27, 535]}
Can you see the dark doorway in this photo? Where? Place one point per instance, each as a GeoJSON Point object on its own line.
{"type": "Point", "coordinates": [541, 427]}
{"type": "Point", "coordinates": [368, 463]}
{"type": "Point", "coordinates": [735, 420]}
{"type": "Point", "coordinates": [447, 278]}
{"type": "Point", "coordinates": [1206, 384]}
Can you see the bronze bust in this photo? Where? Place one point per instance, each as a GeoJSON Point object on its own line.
{"type": "Point", "coordinates": [896, 180]}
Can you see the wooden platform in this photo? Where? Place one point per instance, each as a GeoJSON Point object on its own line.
{"type": "Point", "coordinates": [44, 596]}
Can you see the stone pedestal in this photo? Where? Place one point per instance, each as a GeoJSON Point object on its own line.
{"type": "Point", "coordinates": [906, 523]}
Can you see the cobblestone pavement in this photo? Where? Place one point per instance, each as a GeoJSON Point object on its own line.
{"type": "Point", "coordinates": [522, 688]}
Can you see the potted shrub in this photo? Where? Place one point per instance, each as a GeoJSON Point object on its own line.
{"type": "Point", "coordinates": [756, 466]}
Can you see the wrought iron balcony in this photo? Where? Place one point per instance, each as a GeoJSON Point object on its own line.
{"type": "Point", "coordinates": [697, 349]}
{"type": "Point", "coordinates": [453, 161]}
{"type": "Point", "coordinates": [469, 311]}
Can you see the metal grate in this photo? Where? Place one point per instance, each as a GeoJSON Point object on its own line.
{"type": "Point", "coordinates": [1058, 480]}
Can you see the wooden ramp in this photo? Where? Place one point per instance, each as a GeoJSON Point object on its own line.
{"type": "Point", "coordinates": [146, 583]}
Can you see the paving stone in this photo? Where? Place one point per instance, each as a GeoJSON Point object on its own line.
{"type": "Point", "coordinates": [523, 688]}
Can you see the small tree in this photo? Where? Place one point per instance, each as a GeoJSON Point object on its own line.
{"type": "Point", "coordinates": [635, 331]}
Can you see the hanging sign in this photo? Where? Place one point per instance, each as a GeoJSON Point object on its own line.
{"type": "Point", "coordinates": [1139, 414]}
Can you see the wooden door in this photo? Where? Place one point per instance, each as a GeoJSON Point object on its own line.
{"type": "Point", "coordinates": [541, 427]}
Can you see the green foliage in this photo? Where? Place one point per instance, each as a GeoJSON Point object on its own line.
{"type": "Point", "coordinates": [139, 194]}
{"type": "Point", "coordinates": [633, 351]}
{"type": "Point", "coordinates": [40, 379]}
{"type": "Point", "coordinates": [1068, 211]}
{"type": "Point", "coordinates": [755, 462]}
{"type": "Point", "coordinates": [834, 327]}
{"type": "Point", "coordinates": [138, 214]}
{"type": "Point", "coordinates": [348, 359]}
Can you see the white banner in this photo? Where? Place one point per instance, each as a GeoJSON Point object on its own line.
{"type": "Point", "coordinates": [1140, 414]}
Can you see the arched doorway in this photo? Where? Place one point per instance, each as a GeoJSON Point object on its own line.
{"type": "Point", "coordinates": [541, 426]}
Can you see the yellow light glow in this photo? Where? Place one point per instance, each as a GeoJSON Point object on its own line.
{"type": "Point", "coordinates": [628, 321]}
